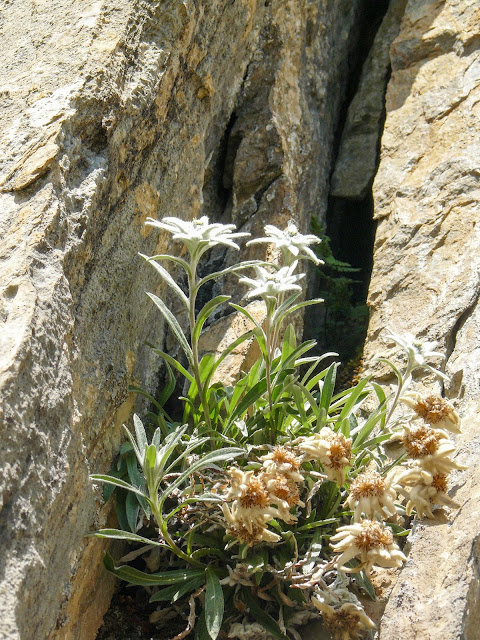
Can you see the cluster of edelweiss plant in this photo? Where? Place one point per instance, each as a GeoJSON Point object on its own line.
{"type": "Point", "coordinates": [272, 501]}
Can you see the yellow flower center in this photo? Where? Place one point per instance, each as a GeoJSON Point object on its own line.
{"type": "Point", "coordinates": [281, 455]}
{"type": "Point", "coordinates": [432, 409]}
{"type": "Point", "coordinates": [440, 483]}
{"type": "Point", "coordinates": [340, 622]}
{"type": "Point", "coordinates": [256, 494]}
{"type": "Point", "coordinates": [340, 447]}
{"type": "Point", "coordinates": [373, 535]}
{"type": "Point", "coordinates": [366, 484]}
{"type": "Point", "coordinates": [421, 442]}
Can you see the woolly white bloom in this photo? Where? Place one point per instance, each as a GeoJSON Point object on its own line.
{"type": "Point", "coordinates": [198, 235]}
{"type": "Point", "coordinates": [332, 449]}
{"type": "Point", "coordinates": [248, 525]}
{"type": "Point", "coordinates": [418, 352]}
{"type": "Point", "coordinates": [293, 244]}
{"type": "Point", "coordinates": [270, 285]}
{"type": "Point", "coordinates": [282, 461]}
{"type": "Point", "coordinates": [371, 495]}
{"type": "Point", "coordinates": [421, 441]}
{"type": "Point", "coordinates": [342, 612]}
{"type": "Point", "coordinates": [347, 622]}
{"type": "Point", "coordinates": [427, 490]}
{"type": "Point", "coordinates": [371, 542]}
{"type": "Point", "coordinates": [436, 411]}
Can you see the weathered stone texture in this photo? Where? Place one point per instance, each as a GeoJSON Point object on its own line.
{"type": "Point", "coordinates": [426, 281]}
{"type": "Point", "coordinates": [357, 158]}
{"type": "Point", "coordinates": [112, 112]}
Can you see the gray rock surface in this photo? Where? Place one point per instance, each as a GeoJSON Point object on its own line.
{"type": "Point", "coordinates": [112, 112]}
{"type": "Point", "coordinates": [426, 280]}
{"type": "Point", "coordinates": [357, 158]}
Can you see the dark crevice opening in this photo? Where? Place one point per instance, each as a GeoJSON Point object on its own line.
{"type": "Point", "coordinates": [341, 324]}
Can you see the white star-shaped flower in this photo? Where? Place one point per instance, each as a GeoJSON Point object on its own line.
{"type": "Point", "coordinates": [293, 244]}
{"type": "Point", "coordinates": [198, 235]}
{"type": "Point", "coordinates": [269, 285]}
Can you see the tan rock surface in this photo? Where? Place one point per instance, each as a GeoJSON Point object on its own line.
{"type": "Point", "coordinates": [426, 281]}
{"type": "Point", "coordinates": [112, 112]}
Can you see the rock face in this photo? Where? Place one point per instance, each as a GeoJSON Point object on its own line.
{"type": "Point", "coordinates": [426, 281]}
{"type": "Point", "coordinates": [112, 112]}
{"type": "Point", "coordinates": [357, 159]}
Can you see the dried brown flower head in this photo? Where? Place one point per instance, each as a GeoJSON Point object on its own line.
{"type": "Point", "coordinates": [440, 482]}
{"type": "Point", "coordinates": [341, 623]}
{"type": "Point", "coordinates": [366, 484]}
{"type": "Point", "coordinates": [254, 494]}
{"type": "Point", "coordinates": [435, 411]}
{"type": "Point", "coordinates": [420, 441]}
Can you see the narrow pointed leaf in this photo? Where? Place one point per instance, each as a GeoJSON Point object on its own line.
{"type": "Point", "coordinates": [205, 312]}
{"type": "Point", "coordinates": [214, 604]}
{"type": "Point", "coordinates": [173, 322]}
{"type": "Point", "coordinates": [117, 482]}
{"type": "Point", "coordinates": [168, 279]}
{"type": "Point", "coordinates": [119, 534]}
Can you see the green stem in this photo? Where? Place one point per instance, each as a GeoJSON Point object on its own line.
{"type": "Point", "coordinates": [162, 526]}
{"type": "Point", "coordinates": [193, 290]}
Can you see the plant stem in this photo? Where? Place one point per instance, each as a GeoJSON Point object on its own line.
{"type": "Point", "coordinates": [193, 290]}
{"type": "Point", "coordinates": [165, 534]}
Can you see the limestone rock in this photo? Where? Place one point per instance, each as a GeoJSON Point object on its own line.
{"type": "Point", "coordinates": [112, 112]}
{"type": "Point", "coordinates": [426, 281]}
{"type": "Point", "coordinates": [357, 158]}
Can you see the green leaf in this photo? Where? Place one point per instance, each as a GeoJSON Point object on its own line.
{"type": "Point", "coordinates": [117, 482]}
{"type": "Point", "coordinates": [118, 534]}
{"type": "Point", "coordinates": [131, 509]}
{"type": "Point", "coordinates": [168, 279]}
{"type": "Point", "coordinates": [280, 317]}
{"type": "Point", "coordinates": [134, 576]}
{"type": "Point", "coordinates": [328, 387]}
{"type": "Point", "coordinates": [236, 267]}
{"type": "Point", "coordinates": [262, 616]}
{"type": "Point", "coordinates": [176, 365]}
{"type": "Point", "coordinates": [205, 312]}
{"type": "Point", "coordinates": [231, 347]}
{"type": "Point", "coordinates": [175, 327]}
{"type": "Point", "coordinates": [183, 263]}
{"type": "Point", "coordinates": [247, 314]}
{"type": "Point", "coordinates": [206, 461]}
{"type": "Point", "coordinates": [364, 583]}
{"type": "Point", "coordinates": [354, 398]}
{"type": "Point", "coordinates": [175, 591]}
{"type": "Point", "coordinates": [142, 441]}
{"type": "Point", "coordinates": [201, 632]}
{"type": "Point", "coordinates": [169, 387]}
{"type": "Point", "coordinates": [214, 604]}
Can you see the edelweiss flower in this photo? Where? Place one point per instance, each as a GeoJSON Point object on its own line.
{"type": "Point", "coordinates": [198, 235]}
{"type": "Point", "coordinates": [252, 508]}
{"type": "Point", "coordinates": [347, 622]}
{"type": "Point", "coordinates": [418, 352]}
{"type": "Point", "coordinates": [248, 525]}
{"type": "Point", "coordinates": [270, 285]}
{"type": "Point", "coordinates": [342, 612]}
{"type": "Point", "coordinates": [332, 449]}
{"type": "Point", "coordinates": [369, 540]}
{"type": "Point", "coordinates": [282, 461]}
{"type": "Point", "coordinates": [291, 242]}
{"type": "Point", "coordinates": [421, 441]}
{"type": "Point", "coordinates": [427, 490]}
{"type": "Point", "coordinates": [436, 411]}
{"type": "Point", "coordinates": [371, 494]}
